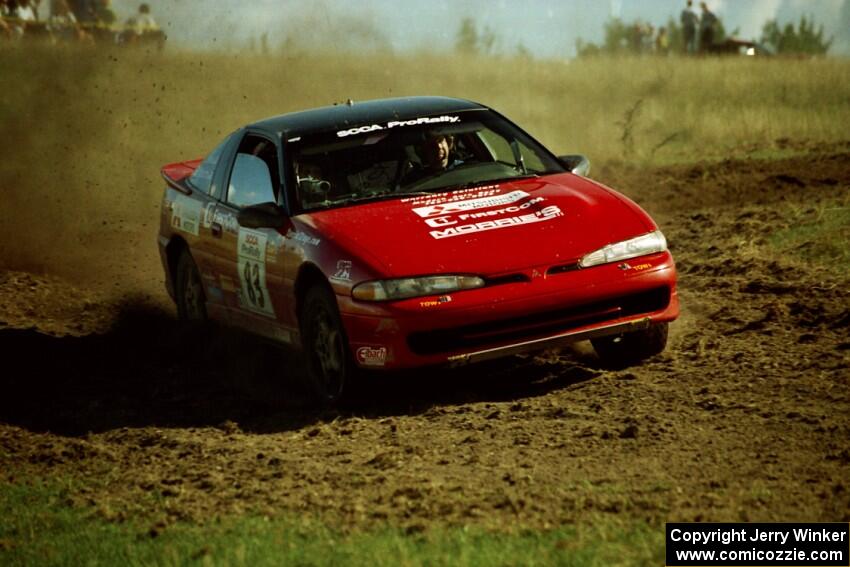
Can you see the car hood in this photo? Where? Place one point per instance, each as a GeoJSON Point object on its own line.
{"type": "Point", "coordinates": [487, 230]}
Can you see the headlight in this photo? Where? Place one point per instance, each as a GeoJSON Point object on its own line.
{"type": "Point", "coordinates": [403, 288]}
{"type": "Point", "coordinates": [640, 246]}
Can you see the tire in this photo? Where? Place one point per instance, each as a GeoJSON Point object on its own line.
{"type": "Point", "coordinates": [329, 366]}
{"type": "Point", "coordinates": [189, 290]}
{"type": "Point", "coordinates": [629, 348]}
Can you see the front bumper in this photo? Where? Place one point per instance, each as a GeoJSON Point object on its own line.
{"type": "Point", "coordinates": [544, 309]}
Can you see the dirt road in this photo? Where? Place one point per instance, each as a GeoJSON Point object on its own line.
{"type": "Point", "coordinates": [746, 416]}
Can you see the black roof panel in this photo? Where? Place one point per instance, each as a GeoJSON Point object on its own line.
{"type": "Point", "coordinates": [341, 116]}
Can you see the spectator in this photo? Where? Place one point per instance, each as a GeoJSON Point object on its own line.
{"type": "Point", "coordinates": [707, 25]}
{"type": "Point", "coordinates": [21, 13]}
{"type": "Point", "coordinates": [6, 32]}
{"type": "Point", "coordinates": [63, 24]}
{"type": "Point", "coordinates": [103, 12]}
{"type": "Point", "coordinates": [662, 42]}
{"type": "Point", "coordinates": [647, 31]}
{"type": "Point", "coordinates": [142, 22]}
{"type": "Point", "coordinates": [25, 11]}
{"type": "Point", "coordinates": [689, 22]}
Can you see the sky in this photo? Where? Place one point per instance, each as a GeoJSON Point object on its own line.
{"type": "Point", "coordinates": [546, 28]}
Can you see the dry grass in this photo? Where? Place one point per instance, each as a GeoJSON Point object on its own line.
{"type": "Point", "coordinates": [85, 132]}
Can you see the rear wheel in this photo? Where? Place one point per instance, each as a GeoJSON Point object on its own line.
{"type": "Point", "coordinates": [629, 348]}
{"type": "Point", "coordinates": [330, 367]}
{"type": "Point", "coordinates": [189, 290]}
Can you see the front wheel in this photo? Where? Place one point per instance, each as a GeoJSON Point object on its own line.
{"type": "Point", "coordinates": [329, 365]}
{"type": "Point", "coordinates": [629, 348]}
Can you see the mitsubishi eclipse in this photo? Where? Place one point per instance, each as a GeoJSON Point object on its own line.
{"type": "Point", "coordinates": [407, 232]}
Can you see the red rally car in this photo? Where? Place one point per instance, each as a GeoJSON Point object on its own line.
{"type": "Point", "coordinates": [398, 233]}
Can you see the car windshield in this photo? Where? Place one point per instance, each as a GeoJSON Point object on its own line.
{"type": "Point", "coordinates": [423, 155]}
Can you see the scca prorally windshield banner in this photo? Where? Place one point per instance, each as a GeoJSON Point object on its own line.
{"type": "Point", "coordinates": [397, 123]}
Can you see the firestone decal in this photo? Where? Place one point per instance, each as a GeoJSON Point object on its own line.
{"type": "Point", "coordinates": [227, 221]}
{"type": "Point", "coordinates": [186, 215]}
{"type": "Point", "coordinates": [372, 356]}
{"type": "Point", "coordinates": [251, 253]}
{"type": "Point", "coordinates": [397, 123]}
{"type": "Point", "coordinates": [448, 220]}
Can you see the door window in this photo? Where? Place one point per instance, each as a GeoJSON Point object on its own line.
{"type": "Point", "coordinates": [254, 178]}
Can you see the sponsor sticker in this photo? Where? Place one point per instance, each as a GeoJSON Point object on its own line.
{"type": "Point", "coordinates": [303, 238]}
{"type": "Point", "coordinates": [372, 356]}
{"type": "Point", "coordinates": [448, 220]}
{"type": "Point", "coordinates": [396, 123]}
{"type": "Point", "coordinates": [227, 220]}
{"type": "Point", "coordinates": [186, 214]}
{"type": "Point", "coordinates": [436, 302]}
{"type": "Point", "coordinates": [459, 195]}
{"type": "Point", "coordinates": [251, 253]}
{"type": "Point", "coordinates": [545, 214]}
{"type": "Point", "coordinates": [470, 204]}
{"type": "Point", "coordinates": [343, 271]}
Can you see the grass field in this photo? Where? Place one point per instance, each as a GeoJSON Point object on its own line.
{"type": "Point", "coordinates": [39, 528]}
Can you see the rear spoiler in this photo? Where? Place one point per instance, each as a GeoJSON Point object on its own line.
{"type": "Point", "coordinates": [177, 175]}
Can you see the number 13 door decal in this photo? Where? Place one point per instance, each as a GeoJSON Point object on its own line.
{"type": "Point", "coordinates": [251, 254]}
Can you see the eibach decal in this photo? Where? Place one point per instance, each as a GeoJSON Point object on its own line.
{"type": "Point", "coordinates": [372, 356]}
{"type": "Point", "coordinates": [396, 123]}
{"type": "Point", "coordinates": [251, 254]}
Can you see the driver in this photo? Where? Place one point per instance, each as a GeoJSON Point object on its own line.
{"type": "Point", "coordinates": [435, 155]}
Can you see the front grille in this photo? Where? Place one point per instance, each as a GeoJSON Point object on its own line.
{"type": "Point", "coordinates": [537, 324]}
{"type": "Point", "coordinates": [563, 268]}
{"type": "Point", "coordinates": [508, 278]}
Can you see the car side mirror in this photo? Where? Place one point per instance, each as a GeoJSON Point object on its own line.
{"type": "Point", "coordinates": [577, 164]}
{"type": "Point", "coordinates": [264, 215]}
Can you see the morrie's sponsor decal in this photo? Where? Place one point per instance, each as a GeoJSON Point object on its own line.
{"type": "Point", "coordinates": [372, 356]}
{"type": "Point", "coordinates": [545, 214]}
{"type": "Point", "coordinates": [396, 123]}
{"type": "Point", "coordinates": [470, 204]}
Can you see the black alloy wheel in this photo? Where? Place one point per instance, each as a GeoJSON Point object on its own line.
{"type": "Point", "coordinates": [326, 346]}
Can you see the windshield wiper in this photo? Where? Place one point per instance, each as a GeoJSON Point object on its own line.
{"type": "Point", "coordinates": [471, 184]}
{"type": "Point", "coordinates": [520, 162]}
{"type": "Point", "coordinates": [385, 196]}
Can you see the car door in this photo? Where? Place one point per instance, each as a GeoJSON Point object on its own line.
{"type": "Point", "coordinates": [253, 258]}
{"type": "Point", "coordinates": [193, 214]}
